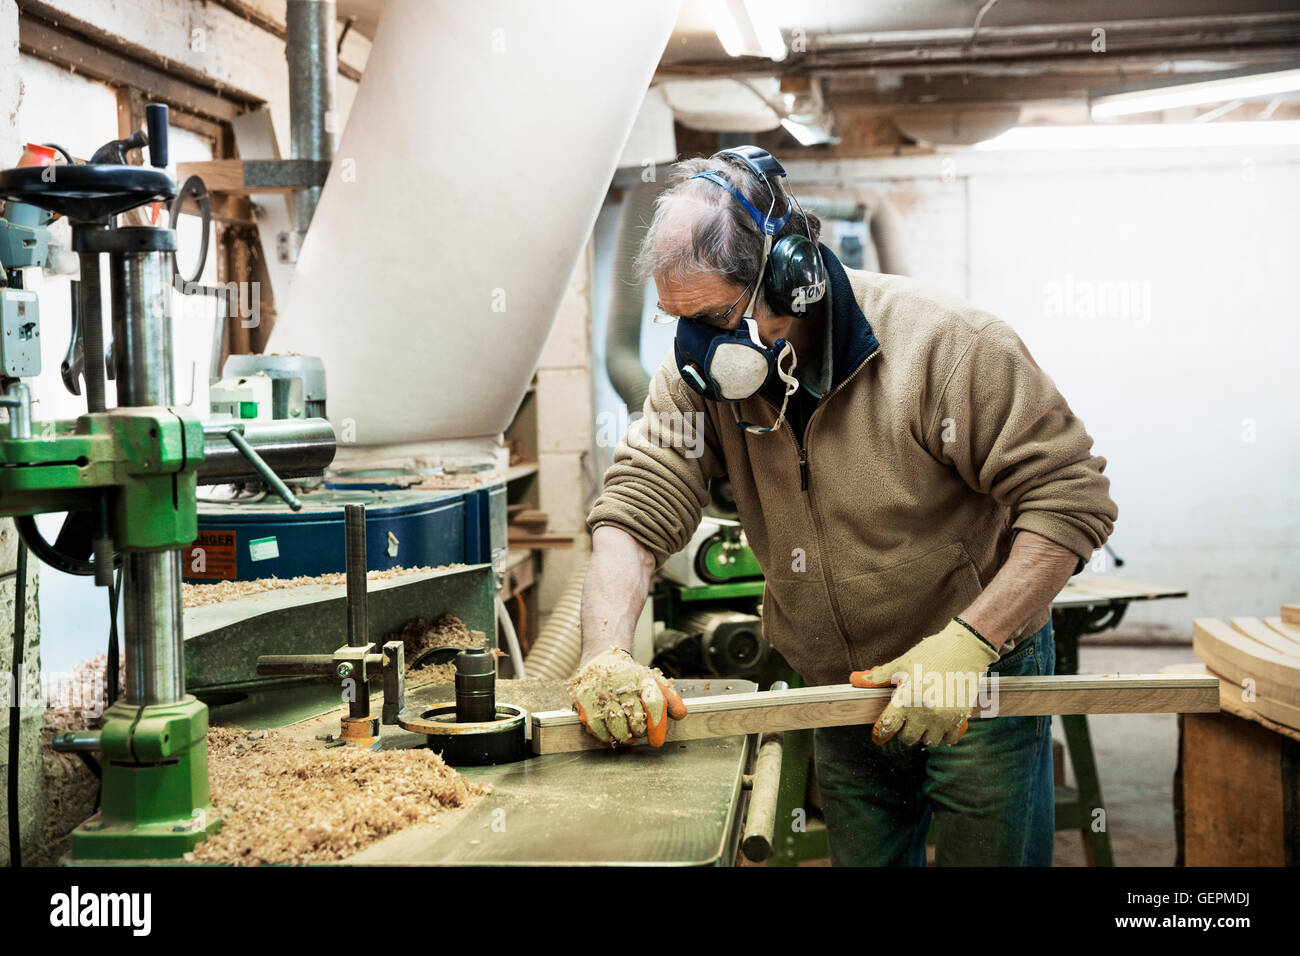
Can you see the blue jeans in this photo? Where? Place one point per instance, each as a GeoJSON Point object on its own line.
{"type": "Point", "coordinates": [990, 796]}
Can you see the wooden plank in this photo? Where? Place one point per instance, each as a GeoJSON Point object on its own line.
{"type": "Point", "coordinates": [522, 539]}
{"type": "Point", "coordinates": [1275, 714]}
{"type": "Point", "coordinates": [530, 520]}
{"type": "Point", "coordinates": [1241, 659]}
{"type": "Point", "coordinates": [1290, 631]}
{"type": "Point", "coordinates": [189, 91]}
{"type": "Point", "coordinates": [839, 705]}
{"type": "Point", "coordinates": [242, 177]}
{"type": "Point", "coordinates": [1261, 633]}
{"type": "Point", "coordinates": [1291, 614]}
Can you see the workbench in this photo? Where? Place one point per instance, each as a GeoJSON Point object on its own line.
{"type": "Point", "coordinates": [676, 806]}
{"type": "Point", "coordinates": [1089, 604]}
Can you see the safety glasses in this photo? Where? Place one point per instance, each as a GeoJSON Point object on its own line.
{"type": "Point", "coordinates": [718, 320]}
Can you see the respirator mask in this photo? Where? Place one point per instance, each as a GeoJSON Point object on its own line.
{"type": "Point", "coordinates": [731, 365]}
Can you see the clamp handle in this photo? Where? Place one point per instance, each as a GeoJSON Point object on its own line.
{"type": "Point", "coordinates": [235, 435]}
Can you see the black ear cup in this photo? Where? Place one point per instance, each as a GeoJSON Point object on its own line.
{"type": "Point", "coordinates": [796, 276]}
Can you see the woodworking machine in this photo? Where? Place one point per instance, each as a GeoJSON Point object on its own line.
{"type": "Point", "coordinates": [475, 731]}
{"type": "Point", "coordinates": [127, 478]}
{"type": "Point", "coordinates": [707, 595]}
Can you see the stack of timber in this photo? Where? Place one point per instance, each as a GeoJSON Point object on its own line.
{"type": "Point", "coordinates": [1237, 789]}
{"type": "Point", "coordinates": [1257, 661]}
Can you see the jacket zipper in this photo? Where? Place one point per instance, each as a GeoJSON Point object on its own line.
{"type": "Point", "coordinates": [827, 581]}
{"type": "Point", "coordinates": [802, 445]}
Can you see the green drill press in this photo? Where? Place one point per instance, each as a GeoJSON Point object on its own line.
{"type": "Point", "coordinates": [127, 478]}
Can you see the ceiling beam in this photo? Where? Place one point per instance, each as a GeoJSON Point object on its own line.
{"type": "Point", "coordinates": [112, 61]}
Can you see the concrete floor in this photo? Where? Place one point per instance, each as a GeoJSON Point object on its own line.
{"type": "Point", "coordinates": [1136, 755]}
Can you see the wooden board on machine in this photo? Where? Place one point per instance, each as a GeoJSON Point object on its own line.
{"type": "Point", "coordinates": [840, 705]}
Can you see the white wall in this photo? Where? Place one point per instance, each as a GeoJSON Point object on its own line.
{"type": "Point", "coordinates": [1158, 290]}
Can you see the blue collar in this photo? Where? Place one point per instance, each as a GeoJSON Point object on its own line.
{"type": "Point", "coordinates": [852, 339]}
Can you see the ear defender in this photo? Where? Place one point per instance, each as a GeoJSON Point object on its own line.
{"type": "Point", "coordinates": [796, 277]}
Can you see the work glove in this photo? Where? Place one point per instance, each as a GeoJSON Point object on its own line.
{"type": "Point", "coordinates": [618, 699]}
{"type": "Point", "coordinates": [950, 660]}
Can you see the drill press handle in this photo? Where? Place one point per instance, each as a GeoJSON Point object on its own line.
{"type": "Point", "coordinates": [155, 115]}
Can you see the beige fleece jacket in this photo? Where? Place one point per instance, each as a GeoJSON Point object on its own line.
{"type": "Point", "coordinates": [920, 466]}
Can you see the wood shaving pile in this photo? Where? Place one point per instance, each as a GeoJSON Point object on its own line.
{"type": "Point", "coordinates": [420, 636]}
{"type": "Point", "coordinates": [197, 595]}
{"type": "Point", "coordinates": [76, 701]}
{"type": "Point", "coordinates": [70, 790]}
{"type": "Point", "coordinates": [287, 801]}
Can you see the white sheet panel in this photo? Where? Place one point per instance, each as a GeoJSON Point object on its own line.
{"type": "Point", "coordinates": [469, 176]}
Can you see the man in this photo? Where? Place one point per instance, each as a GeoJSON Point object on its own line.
{"type": "Point", "coordinates": [913, 485]}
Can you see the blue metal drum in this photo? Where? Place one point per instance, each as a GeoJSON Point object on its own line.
{"type": "Point", "coordinates": [404, 528]}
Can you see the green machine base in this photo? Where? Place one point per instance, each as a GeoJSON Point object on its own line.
{"type": "Point", "coordinates": [155, 802]}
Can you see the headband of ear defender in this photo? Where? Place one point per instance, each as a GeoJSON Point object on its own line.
{"type": "Point", "coordinates": [791, 273]}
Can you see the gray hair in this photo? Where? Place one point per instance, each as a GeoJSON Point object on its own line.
{"type": "Point", "coordinates": [724, 239]}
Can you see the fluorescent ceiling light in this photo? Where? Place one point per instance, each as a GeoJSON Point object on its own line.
{"type": "Point", "coordinates": [762, 17]}
{"type": "Point", "coordinates": [1130, 136]}
{"type": "Point", "coordinates": [747, 28]}
{"type": "Point", "coordinates": [805, 134]}
{"type": "Point", "coordinates": [726, 26]}
{"type": "Point", "coordinates": [1196, 94]}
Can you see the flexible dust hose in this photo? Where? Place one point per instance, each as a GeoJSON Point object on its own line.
{"type": "Point", "coordinates": [627, 300]}
{"type": "Point", "coordinates": [886, 228]}
{"type": "Point", "coordinates": [558, 649]}
{"type": "Point", "coordinates": [882, 218]}
{"type": "Point", "coordinates": [825, 207]}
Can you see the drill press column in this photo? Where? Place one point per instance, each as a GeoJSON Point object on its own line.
{"type": "Point", "coordinates": [151, 584]}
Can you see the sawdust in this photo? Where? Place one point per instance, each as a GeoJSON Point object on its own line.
{"type": "Point", "coordinates": [430, 674]}
{"type": "Point", "coordinates": [197, 595]}
{"type": "Point", "coordinates": [282, 801]}
{"type": "Point", "coordinates": [70, 792]}
{"type": "Point", "coordinates": [75, 701]}
{"type": "Point", "coordinates": [419, 636]}
{"type": "Point", "coordinates": [287, 801]}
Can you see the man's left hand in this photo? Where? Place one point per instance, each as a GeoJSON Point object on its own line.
{"type": "Point", "coordinates": [954, 658]}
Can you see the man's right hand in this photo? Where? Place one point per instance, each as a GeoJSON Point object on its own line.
{"type": "Point", "coordinates": [618, 699]}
